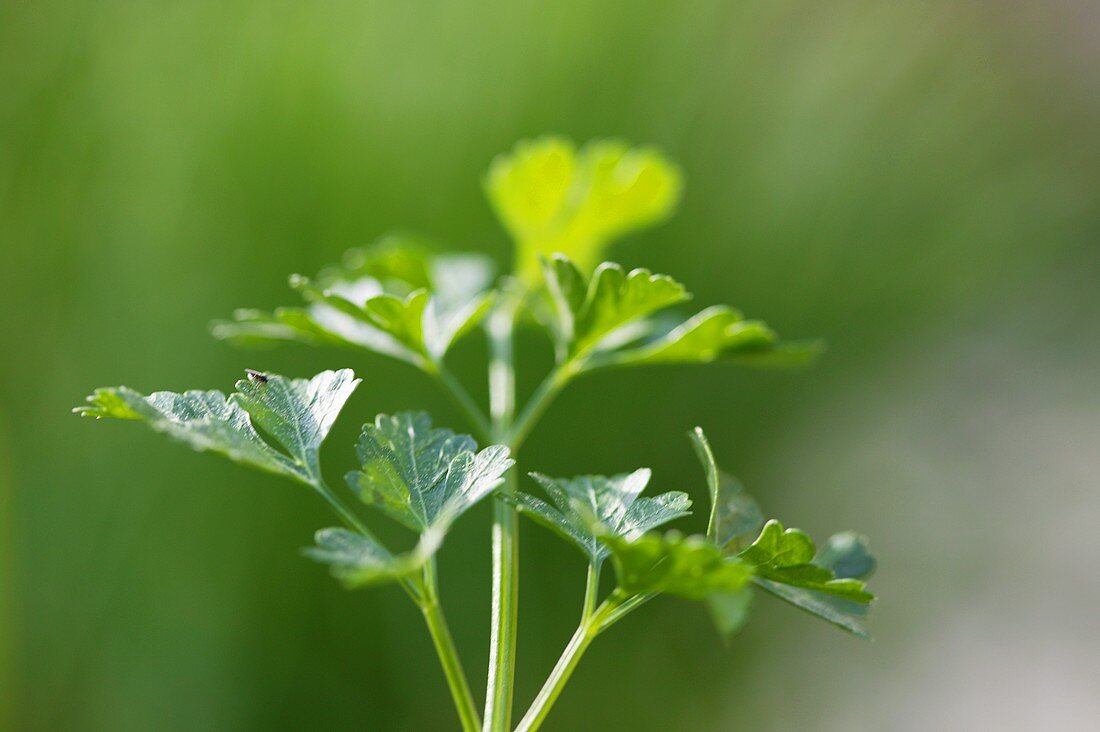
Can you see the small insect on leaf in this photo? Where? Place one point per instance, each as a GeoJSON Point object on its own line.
{"type": "Point", "coordinates": [256, 377]}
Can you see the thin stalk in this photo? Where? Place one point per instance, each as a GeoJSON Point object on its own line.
{"type": "Point", "coordinates": [448, 654]}
{"type": "Point", "coordinates": [544, 395]}
{"type": "Point", "coordinates": [341, 509]}
{"type": "Point", "coordinates": [356, 524]}
{"type": "Point", "coordinates": [505, 538]}
{"type": "Point", "coordinates": [625, 608]}
{"type": "Point", "coordinates": [462, 399]}
{"type": "Point", "coordinates": [591, 591]}
{"type": "Point", "coordinates": [589, 627]}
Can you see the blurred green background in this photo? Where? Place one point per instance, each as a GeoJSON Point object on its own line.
{"type": "Point", "coordinates": [915, 181]}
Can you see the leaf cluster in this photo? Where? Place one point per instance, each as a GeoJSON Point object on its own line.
{"type": "Point", "coordinates": [605, 517]}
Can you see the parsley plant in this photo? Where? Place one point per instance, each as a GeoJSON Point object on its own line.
{"type": "Point", "coordinates": [398, 298]}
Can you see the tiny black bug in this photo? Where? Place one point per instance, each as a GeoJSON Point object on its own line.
{"type": "Point", "coordinates": [256, 376]}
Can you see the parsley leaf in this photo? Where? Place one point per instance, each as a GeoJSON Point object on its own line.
{"type": "Point", "coordinates": [296, 413]}
{"type": "Point", "coordinates": [734, 515]}
{"type": "Point", "coordinates": [591, 314]}
{"type": "Point", "coordinates": [606, 320]}
{"type": "Point", "coordinates": [785, 562]}
{"type": "Point", "coordinates": [359, 561]}
{"type": "Point", "coordinates": [846, 555]}
{"type": "Point", "coordinates": [424, 477]}
{"type": "Point", "coordinates": [718, 333]}
{"type": "Point", "coordinates": [581, 508]}
{"type": "Point", "coordinates": [553, 198]}
{"type": "Point", "coordinates": [396, 298]}
{"type": "Point", "coordinates": [690, 567]}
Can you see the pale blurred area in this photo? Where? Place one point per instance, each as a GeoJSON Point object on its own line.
{"type": "Point", "coordinates": [919, 183]}
{"type": "Point", "coordinates": [975, 453]}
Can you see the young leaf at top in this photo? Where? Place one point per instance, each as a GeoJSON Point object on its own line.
{"type": "Point", "coordinates": [553, 198]}
{"type": "Point", "coordinates": [424, 477]}
{"type": "Point", "coordinates": [297, 413]}
{"type": "Point", "coordinates": [581, 507]}
{"type": "Point", "coordinates": [397, 298]}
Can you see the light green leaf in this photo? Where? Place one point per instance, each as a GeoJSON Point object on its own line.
{"type": "Point", "coordinates": [582, 507]}
{"type": "Point", "coordinates": [562, 297]}
{"type": "Point", "coordinates": [783, 562]}
{"type": "Point", "coordinates": [718, 333]}
{"type": "Point", "coordinates": [605, 311]}
{"type": "Point", "coordinates": [553, 199]}
{"type": "Point", "coordinates": [607, 320]}
{"type": "Point", "coordinates": [777, 548]}
{"type": "Point", "coordinates": [402, 318]}
{"type": "Point", "coordinates": [396, 298]}
{"type": "Point", "coordinates": [690, 567]}
{"type": "Point", "coordinates": [616, 298]}
{"type": "Point", "coordinates": [735, 518]}
{"type": "Point", "coordinates": [296, 413]}
{"type": "Point", "coordinates": [359, 561]}
{"type": "Point", "coordinates": [322, 323]}
{"type": "Point", "coordinates": [424, 477]}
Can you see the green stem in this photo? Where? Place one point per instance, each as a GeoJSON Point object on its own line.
{"type": "Point", "coordinates": [505, 539]}
{"type": "Point", "coordinates": [356, 524]}
{"type": "Point", "coordinates": [544, 395]}
{"type": "Point", "coordinates": [462, 399]}
{"type": "Point", "coordinates": [625, 608]}
{"type": "Point", "coordinates": [341, 509]}
{"type": "Point", "coordinates": [448, 654]}
{"type": "Point", "coordinates": [590, 627]}
{"type": "Point", "coordinates": [591, 591]}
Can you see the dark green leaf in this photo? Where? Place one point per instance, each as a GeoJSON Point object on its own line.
{"type": "Point", "coordinates": [847, 556]}
{"type": "Point", "coordinates": [843, 613]}
{"type": "Point", "coordinates": [591, 504]}
{"type": "Point", "coordinates": [297, 413]}
{"type": "Point", "coordinates": [785, 562]}
{"type": "Point", "coordinates": [359, 561]}
{"type": "Point", "coordinates": [421, 476]}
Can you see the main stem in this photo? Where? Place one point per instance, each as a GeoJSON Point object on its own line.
{"type": "Point", "coordinates": [448, 654]}
{"type": "Point", "coordinates": [505, 599]}
{"type": "Point", "coordinates": [592, 623]}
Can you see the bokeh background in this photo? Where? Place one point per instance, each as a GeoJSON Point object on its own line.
{"type": "Point", "coordinates": [915, 181]}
